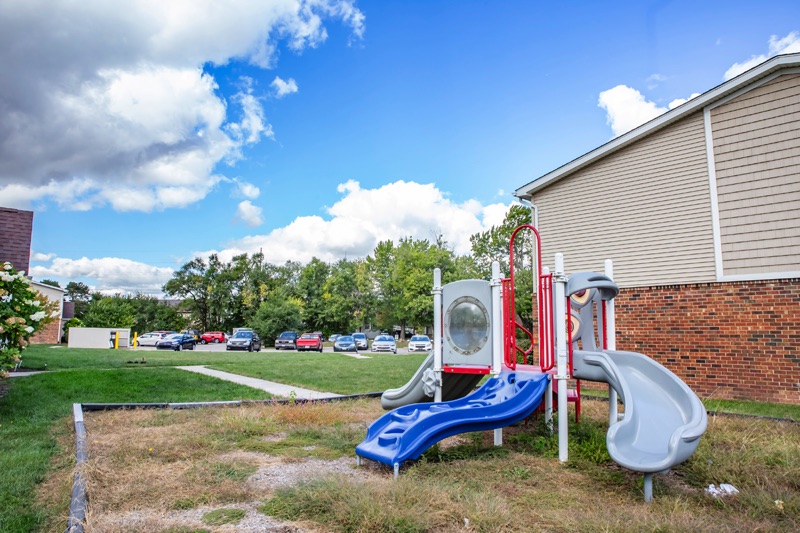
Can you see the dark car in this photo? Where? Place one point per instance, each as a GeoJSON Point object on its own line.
{"type": "Point", "coordinates": [361, 340]}
{"type": "Point", "coordinates": [333, 337]}
{"type": "Point", "coordinates": [287, 339]}
{"type": "Point", "coordinates": [345, 343]}
{"type": "Point", "coordinates": [244, 340]}
{"type": "Point", "coordinates": [177, 342]}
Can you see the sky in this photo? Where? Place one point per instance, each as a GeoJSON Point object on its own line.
{"type": "Point", "coordinates": [145, 133]}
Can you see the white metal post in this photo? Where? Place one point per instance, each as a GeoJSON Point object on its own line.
{"type": "Point", "coordinates": [562, 375]}
{"type": "Point", "coordinates": [497, 333]}
{"type": "Point", "coordinates": [548, 393]}
{"type": "Point", "coordinates": [437, 332]}
{"type": "Point", "coordinates": [610, 337]}
{"type": "Point", "coordinates": [497, 319]}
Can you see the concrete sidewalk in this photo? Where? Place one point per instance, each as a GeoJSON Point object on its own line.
{"type": "Point", "coordinates": [277, 389]}
{"type": "Point", "coordinates": [23, 374]}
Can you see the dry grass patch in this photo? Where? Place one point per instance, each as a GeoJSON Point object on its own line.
{"type": "Point", "coordinates": [165, 470]}
{"type": "Point", "coordinates": [54, 493]}
{"type": "Point", "coordinates": [157, 469]}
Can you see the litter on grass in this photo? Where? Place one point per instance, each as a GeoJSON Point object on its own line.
{"type": "Point", "coordinates": [725, 489]}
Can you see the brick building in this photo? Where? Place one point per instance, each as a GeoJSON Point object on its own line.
{"type": "Point", "coordinates": [698, 208]}
{"type": "Point", "coordinates": [16, 228]}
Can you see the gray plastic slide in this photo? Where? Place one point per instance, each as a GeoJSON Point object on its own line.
{"type": "Point", "coordinates": [420, 387]}
{"type": "Point", "coordinates": [663, 418]}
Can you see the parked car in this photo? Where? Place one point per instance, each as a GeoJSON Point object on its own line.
{"type": "Point", "coordinates": [361, 340]}
{"type": "Point", "coordinates": [384, 343]}
{"type": "Point", "coordinates": [333, 337]}
{"type": "Point", "coordinates": [213, 336]}
{"type": "Point", "coordinates": [287, 339]}
{"type": "Point", "coordinates": [244, 340]}
{"type": "Point", "coordinates": [420, 343]}
{"type": "Point", "coordinates": [309, 341]}
{"type": "Point", "coordinates": [177, 342]}
{"type": "Point", "coordinates": [193, 332]}
{"type": "Point", "coordinates": [149, 339]}
{"type": "Point", "coordinates": [345, 343]}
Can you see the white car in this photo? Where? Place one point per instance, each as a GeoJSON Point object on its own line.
{"type": "Point", "coordinates": [420, 343]}
{"type": "Point", "coordinates": [384, 343]}
{"type": "Point", "coordinates": [149, 339]}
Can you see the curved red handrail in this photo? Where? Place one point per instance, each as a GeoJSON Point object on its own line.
{"type": "Point", "coordinates": [544, 310]}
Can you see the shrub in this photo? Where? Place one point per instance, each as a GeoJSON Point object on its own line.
{"type": "Point", "coordinates": [23, 312]}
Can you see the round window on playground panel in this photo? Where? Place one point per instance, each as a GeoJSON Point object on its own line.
{"type": "Point", "coordinates": [467, 322]}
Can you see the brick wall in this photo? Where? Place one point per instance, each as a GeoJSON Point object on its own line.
{"type": "Point", "coordinates": [15, 245]}
{"type": "Point", "coordinates": [50, 334]}
{"type": "Point", "coordinates": [738, 340]}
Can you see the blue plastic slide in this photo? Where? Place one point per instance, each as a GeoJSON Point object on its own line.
{"type": "Point", "coordinates": [405, 433]}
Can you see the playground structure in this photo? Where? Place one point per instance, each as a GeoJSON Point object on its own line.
{"type": "Point", "coordinates": [475, 334]}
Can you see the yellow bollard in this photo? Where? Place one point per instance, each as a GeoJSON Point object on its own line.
{"type": "Point", "coordinates": [135, 340]}
{"type": "Point", "coordinates": [116, 340]}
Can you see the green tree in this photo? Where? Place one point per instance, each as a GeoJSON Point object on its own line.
{"type": "Point", "coordinates": [277, 314]}
{"type": "Point", "coordinates": [348, 297]}
{"type": "Point", "coordinates": [192, 283]}
{"type": "Point", "coordinates": [150, 314]}
{"type": "Point", "coordinates": [403, 277]}
{"type": "Point", "coordinates": [110, 312]}
{"type": "Point", "coordinates": [80, 294]}
{"type": "Point", "coordinates": [50, 282]}
{"type": "Point", "coordinates": [311, 286]}
{"type": "Point", "coordinates": [493, 245]}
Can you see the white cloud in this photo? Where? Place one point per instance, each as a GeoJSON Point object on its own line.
{"type": "Point", "coordinates": [363, 217]}
{"type": "Point", "coordinates": [627, 108]}
{"type": "Point", "coordinates": [111, 274]}
{"type": "Point", "coordinates": [40, 257]}
{"type": "Point", "coordinates": [777, 45]}
{"type": "Point", "coordinates": [282, 88]}
{"type": "Point", "coordinates": [249, 214]}
{"type": "Point", "coordinates": [680, 101]}
{"type": "Point", "coordinates": [248, 190]}
{"type": "Point", "coordinates": [124, 115]}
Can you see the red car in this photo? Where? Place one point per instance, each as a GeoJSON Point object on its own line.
{"type": "Point", "coordinates": [309, 342]}
{"type": "Point", "coordinates": [213, 336]}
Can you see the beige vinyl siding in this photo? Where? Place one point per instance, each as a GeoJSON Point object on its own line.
{"type": "Point", "coordinates": [756, 140]}
{"type": "Point", "coordinates": [646, 207]}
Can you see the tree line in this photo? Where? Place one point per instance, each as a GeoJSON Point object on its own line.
{"type": "Point", "coordinates": [390, 287]}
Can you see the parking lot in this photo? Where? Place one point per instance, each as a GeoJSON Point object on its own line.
{"type": "Point", "coordinates": [221, 348]}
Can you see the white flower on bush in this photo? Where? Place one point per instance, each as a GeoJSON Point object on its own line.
{"type": "Point", "coordinates": [37, 316]}
{"type": "Point", "coordinates": [5, 276]}
{"type": "Point", "coordinates": [7, 266]}
{"type": "Point", "coordinates": [36, 303]}
{"type": "Point", "coordinates": [29, 329]}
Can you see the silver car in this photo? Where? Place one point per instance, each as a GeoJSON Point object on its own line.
{"type": "Point", "coordinates": [384, 343]}
{"type": "Point", "coordinates": [361, 340]}
{"type": "Point", "coordinates": [149, 339]}
{"type": "Point", "coordinates": [420, 343]}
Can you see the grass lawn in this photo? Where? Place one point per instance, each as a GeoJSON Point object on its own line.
{"type": "Point", "coordinates": [35, 423]}
{"type": "Point", "coordinates": [38, 443]}
{"type": "Point", "coordinates": [330, 372]}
